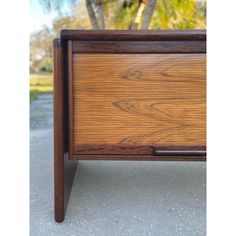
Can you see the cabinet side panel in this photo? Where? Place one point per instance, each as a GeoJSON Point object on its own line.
{"type": "Point", "coordinates": [64, 169]}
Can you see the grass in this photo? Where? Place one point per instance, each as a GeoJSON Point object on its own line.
{"type": "Point", "coordinates": [40, 84]}
{"type": "Point", "coordinates": [33, 95]}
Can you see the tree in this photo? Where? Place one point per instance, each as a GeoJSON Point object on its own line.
{"type": "Point", "coordinates": [77, 19]}
{"type": "Point", "coordinates": [141, 6]}
{"type": "Point", "coordinates": [114, 14]}
{"type": "Point", "coordinates": [96, 9]}
{"type": "Point", "coordinates": [40, 48]}
{"type": "Point", "coordinates": [93, 7]}
{"type": "Point", "coordinates": [148, 12]}
{"type": "Point", "coordinates": [136, 14]}
{"type": "Point", "coordinates": [179, 14]}
{"type": "Point", "coordinates": [41, 41]}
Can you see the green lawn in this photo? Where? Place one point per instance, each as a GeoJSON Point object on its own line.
{"type": "Point", "coordinates": [40, 84]}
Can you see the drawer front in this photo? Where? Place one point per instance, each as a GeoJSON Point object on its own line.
{"type": "Point", "coordinates": [130, 103]}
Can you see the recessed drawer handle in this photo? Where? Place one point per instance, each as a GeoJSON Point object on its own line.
{"type": "Point", "coordinates": [180, 152]}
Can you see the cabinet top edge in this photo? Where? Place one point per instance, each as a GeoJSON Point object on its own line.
{"type": "Point", "coordinates": [137, 35]}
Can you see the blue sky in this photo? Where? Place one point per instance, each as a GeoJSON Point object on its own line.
{"type": "Point", "coordinates": [38, 17]}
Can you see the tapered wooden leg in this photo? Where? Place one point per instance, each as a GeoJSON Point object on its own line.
{"type": "Point", "coordinates": [64, 169]}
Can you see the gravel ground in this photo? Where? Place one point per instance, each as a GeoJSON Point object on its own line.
{"type": "Point", "coordinates": [114, 197]}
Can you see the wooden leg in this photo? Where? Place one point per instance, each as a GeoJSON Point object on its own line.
{"type": "Point", "coordinates": [64, 169]}
{"type": "Point", "coordinates": [64, 174]}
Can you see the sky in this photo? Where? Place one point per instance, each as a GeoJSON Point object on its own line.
{"type": "Point", "coordinates": [38, 17]}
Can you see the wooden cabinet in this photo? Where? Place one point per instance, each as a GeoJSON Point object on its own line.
{"type": "Point", "coordinates": [128, 95]}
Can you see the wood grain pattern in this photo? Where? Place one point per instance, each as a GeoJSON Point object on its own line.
{"type": "Point", "coordinates": [139, 99]}
{"type": "Point", "coordinates": [139, 46]}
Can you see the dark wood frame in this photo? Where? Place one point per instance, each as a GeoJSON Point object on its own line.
{"type": "Point", "coordinates": [84, 41]}
{"type": "Point", "coordinates": [64, 169]}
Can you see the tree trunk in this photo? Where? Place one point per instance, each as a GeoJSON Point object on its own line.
{"type": "Point", "coordinates": [100, 14]}
{"type": "Point", "coordinates": [148, 13]}
{"type": "Point", "coordinates": [92, 16]}
{"type": "Point", "coordinates": [138, 17]}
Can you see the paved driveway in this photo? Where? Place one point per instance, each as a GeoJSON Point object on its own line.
{"type": "Point", "coordinates": [114, 198]}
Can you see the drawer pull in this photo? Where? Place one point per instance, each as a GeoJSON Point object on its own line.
{"type": "Point", "coordinates": [180, 152]}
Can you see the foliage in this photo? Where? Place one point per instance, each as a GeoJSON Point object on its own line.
{"type": "Point", "coordinates": [41, 49]}
{"type": "Point", "coordinates": [179, 14]}
{"type": "Point", "coordinates": [33, 96]}
{"type": "Point", "coordinates": [41, 41]}
{"type": "Point", "coordinates": [45, 65]}
{"type": "Point", "coordinates": [119, 14]}
{"type": "Point", "coordinates": [168, 14]}
{"type": "Point", "coordinates": [78, 19]}
{"type": "Point", "coordinates": [41, 83]}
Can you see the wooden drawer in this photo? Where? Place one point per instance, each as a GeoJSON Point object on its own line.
{"type": "Point", "coordinates": [135, 103]}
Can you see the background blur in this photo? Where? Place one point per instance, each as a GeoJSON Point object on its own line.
{"type": "Point", "coordinates": [48, 17]}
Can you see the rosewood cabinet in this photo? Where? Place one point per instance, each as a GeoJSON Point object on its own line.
{"type": "Point", "coordinates": [127, 95]}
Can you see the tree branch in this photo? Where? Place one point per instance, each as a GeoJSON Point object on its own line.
{"type": "Point", "coordinates": [100, 14]}
{"type": "Point", "coordinates": [137, 19]}
{"type": "Point", "coordinates": [92, 16]}
{"type": "Point", "coordinates": [148, 13]}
